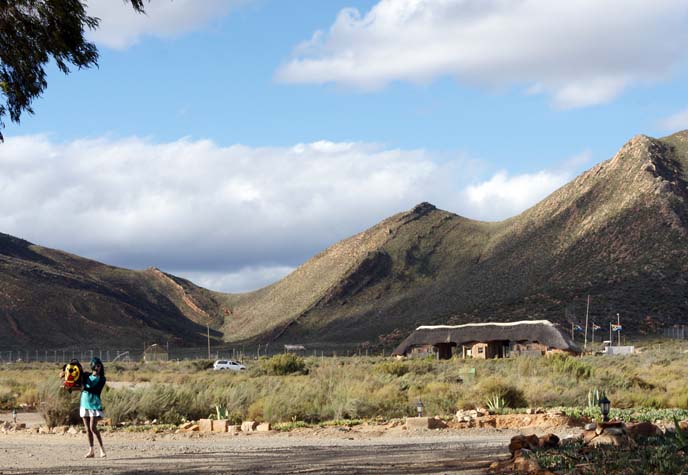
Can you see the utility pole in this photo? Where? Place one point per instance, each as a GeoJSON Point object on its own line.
{"type": "Point", "coordinates": [585, 344]}
{"type": "Point", "coordinates": [208, 327]}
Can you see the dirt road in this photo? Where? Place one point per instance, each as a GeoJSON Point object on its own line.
{"type": "Point", "coordinates": [423, 453]}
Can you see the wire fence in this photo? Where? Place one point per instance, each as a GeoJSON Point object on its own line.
{"type": "Point", "coordinates": [677, 332]}
{"type": "Point", "coordinates": [240, 353]}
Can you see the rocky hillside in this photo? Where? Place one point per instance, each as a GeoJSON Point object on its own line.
{"type": "Point", "coordinates": [51, 299]}
{"type": "Point", "coordinates": [618, 232]}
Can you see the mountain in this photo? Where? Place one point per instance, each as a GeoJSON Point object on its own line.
{"type": "Point", "coordinates": [51, 299]}
{"type": "Point", "coordinates": [618, 232]}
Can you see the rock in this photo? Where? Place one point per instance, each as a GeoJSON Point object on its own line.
{"type": "Point", "coordinates": [73, 430]}
{"type": "Point", "coordinates": [206, 425]}
{"type": "Point", "coordinates": [418, 423]}
{"type": "Point", "coordinates": [643, 429]}
{"type": "Point", "coordinates": [220, 425]}
{"type": "Point", "coordinates": [523, 464]}
{"type": "Point", "coordinates": [233, 428]}
{"type": "Point", "coordinates": [588, 435]}
{"type": "Point", "coordinates": [195, 428]}
{"type": "Point", "coordinates": [60, 429]}
{"type": "Point", "coordinates": [264, 427]}
{"type": "Point", "coordinates": [44, 430]}
{"type": "Point", "coordinates": [683, 425]}
{"type": "Point", "coordinates": [186, 425]}
{"type": "Point", "coordinates": [608, 439]}
{"type": "Point", "coordinates": [590, 426]}
{"type": "Point", "coordinates": [614, 431]}
{"type": "Point", "coordinates": [106, 421]}
{"type": "Point", "coordinates": [569, 440]}
{"type": "Point", "coordinates": [548, 441]}
{"type": "Point", "coordinates": [521, 442]}
{"type": "Point", "coordinates": [248, 426]}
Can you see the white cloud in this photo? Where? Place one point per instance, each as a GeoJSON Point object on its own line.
{"type": "Point", "coordinates": [503, 196]}
{"type": "Point", "coordinates": [237, 217]}
{"type": "Point", "coordinates": [583, 53]}
{"type": "Point", "coordinates": [675, 122]}
{"type": "Point", "coordinates": [121, 26]}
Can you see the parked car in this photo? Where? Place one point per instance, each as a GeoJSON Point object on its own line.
{"type": "Point", "coordinates": [228, 364]}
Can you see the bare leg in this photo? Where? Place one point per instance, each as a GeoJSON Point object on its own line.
{"type": "Point", "coordinates": [96, 432]}
{"type": "Point", "coordinates": [89, 433]}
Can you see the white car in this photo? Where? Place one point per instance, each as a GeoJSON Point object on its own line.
{"type": "Point", "coordinates": [228, 364]}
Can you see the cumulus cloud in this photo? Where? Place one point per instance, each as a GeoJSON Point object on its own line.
{"type": "Point", "coordinates": [582, 53]}
{"type": "Point", "coordinates": [232, 218]}
{"type": "Point", "coordinates": [675, 122]}
{"type": "Point", "coordinates": [121, 26]}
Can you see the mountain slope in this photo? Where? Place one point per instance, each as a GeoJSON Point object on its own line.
{"type": "Point", "coordinates": [617, 232]}
{"type": "Point", "coordinates": [53, 299]}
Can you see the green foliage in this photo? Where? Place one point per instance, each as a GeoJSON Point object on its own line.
{"type": "Point", "coordinates": [656, 455]}
{"type": "Point", "coordinates": [503, 393]}
{"type": "Point", "coordinates": [570, 366]}
{"type": "Point", "coordinates": [34, 32]}
{"type": "Point", "coordinates": [395, 368]}
{"type": "Point", "coordinates": [495, 404]}
{"type": "Point", "coordinates": [285, 364]}
{"type": "Point", "coordinates": [58, 406]}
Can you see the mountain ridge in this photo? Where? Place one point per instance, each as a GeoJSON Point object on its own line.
{"type": "Point", "coordinates": [617, 232]}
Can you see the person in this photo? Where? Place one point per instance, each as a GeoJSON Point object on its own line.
{"type": "Point", "coordinates": [91, 408]}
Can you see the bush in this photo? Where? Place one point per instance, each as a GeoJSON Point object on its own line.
{"type": "Point", "coordinates": [285, 364]}
{"type": "Point", "coordinates": [394, 368]}
{"type": "Point", "coordinates": [509, 395]}
{"type": "Point", "coordinates": [58, 406]}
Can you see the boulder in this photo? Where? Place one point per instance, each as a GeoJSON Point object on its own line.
{"type": "Point", "coordinates": [73, 430]}
{"type": "Point", "coordinates": [220, 425]}
{"type": "Point", "coordinates": [60, 429]}
{"type": "Point", "coordinates": [233, 428]}
{"type": "Point", "coordinates": [683, 425]}
{"type": "Point", "coordinates": [590, 426]}
{"type": "Point", "coordinates": [248, 426]}
{"type": "Point", "coordinates": [609, 439]}
{"type": "Point", "coordinates": [548, 441]}
{"type": "Point", "coordinates": [264, 427]}
{"type": "Point", "coordinates": [44, 430]}
{"type": "Point", "coordinates": [205, 425]}
{"type": "Point", "coordinates": [588, 435]}
{"type": "Point", "coordinates": [643, 429]}
{"type": "Point", "coordinates": [524, 464]}
{"type": "Point", "coordinates": [417, 423]}
{"type": "Point", "coordinates": [186, 425]}
{"type": "Point", "coordinates": [521, 442]}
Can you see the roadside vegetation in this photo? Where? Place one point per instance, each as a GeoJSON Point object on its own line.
{"type": "Point", "coordinates": [289, 389]}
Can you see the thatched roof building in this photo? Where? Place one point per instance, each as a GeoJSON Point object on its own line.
{"type": "Point", "coordinates": [488, 340]}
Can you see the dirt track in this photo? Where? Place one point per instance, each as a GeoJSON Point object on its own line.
{"type": "Point", "coordinates": [265, 454]}
{"type": "Point", "coordinates": [365, 449]}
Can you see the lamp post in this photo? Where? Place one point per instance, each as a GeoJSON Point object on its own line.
{"type": "Point", "coordinates": [419, 408]}
{"type": "Point", "coordinates": [605, 405]}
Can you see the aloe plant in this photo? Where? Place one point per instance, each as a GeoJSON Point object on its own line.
{"type": "Point", "coordinates": [495, 403]}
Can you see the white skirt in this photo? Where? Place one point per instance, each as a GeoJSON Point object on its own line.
{"type": "Point", "coordinates": [83, 412]}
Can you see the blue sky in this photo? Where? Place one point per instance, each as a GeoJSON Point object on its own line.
{"type": "Point", "coordinates": [228, 141]}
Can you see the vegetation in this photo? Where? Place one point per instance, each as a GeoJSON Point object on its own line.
{"type": "Point", "coordinates": [34, 32]}
{"type": "Point", "coordinates": [289, 389]}
{"type": "Point", "coordinates": [654, 455]}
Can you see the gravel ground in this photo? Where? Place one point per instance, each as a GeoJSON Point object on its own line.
{"type": "Point", "coordinates": [359, 450]}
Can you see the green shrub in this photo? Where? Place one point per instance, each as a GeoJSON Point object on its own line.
{"type": "Point", "coordinates": [394, 368]}
{"type": "Point", "coordinates": [285, 364]}
{"type": "Point", "coordinates": [509, 395]}
{"type": "Point", "coordinates": [58, 406]}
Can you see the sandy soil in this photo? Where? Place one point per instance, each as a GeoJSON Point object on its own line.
{"type": "Point", "coordinates": [360, 450]}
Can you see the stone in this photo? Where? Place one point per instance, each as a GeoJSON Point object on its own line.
{"type": "Point", "coordinates": [418, 423]}
{"type": "Point", "coordinates": [248, 426]}
{"type": "Point", "coordinates": [186, 425]}
{"type": "Point", "coordinates": [220, 425]}
{"type": "Point", "coordinates": [614, 431]}
{"type": "Point", "coordinates": [522, 442]}
{"type": "Point", "coordinates": [19, 426]}
{"type": "Point", "coordinates": [683, 425]}
{"type": "Point", "coordinates": [206, 425]}
{"type": "Point", "coordinates": [107, 422]}
{"type": "Point", "coordinates": [643, 429]}
{"type": "Point", "coordinates": [548, 441]}
{"type": "Point", "coordinates": [264, 427]}
{"type": "Point", "coordinates": [569, 440]}
{"type": "Point", "coordinates": [590, 426]}
{"type": "Point", "coordinates": [233, 428]}
{"type": "Point", "coordinates": [608, 439]}
{"type": "Point", "coordinates": [195, 428]}
{"type": "Point", "coordinates": [588, 435]}
{"type": "Point", "coordinates": [60, 429]}
{"type": "Point", "coordinates": [73, 430]}
{"type": "Point", "coordinates": [523, 464]}
{"type": "Point", "coordinates": [44, 430]}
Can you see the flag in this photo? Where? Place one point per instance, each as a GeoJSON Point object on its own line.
{"type": "Point", "coordinates": [595, 326]}
{"type": "Point", "coordinates": [616, 328]}
{"type": "Point", "coordinates": [578, 328]}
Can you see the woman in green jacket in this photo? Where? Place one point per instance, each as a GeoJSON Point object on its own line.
{"type": "Point", "coordinates": [91, 406]}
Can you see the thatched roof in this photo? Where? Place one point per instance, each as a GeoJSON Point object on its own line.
{"type": "Point", "coordinates": [541, 331]}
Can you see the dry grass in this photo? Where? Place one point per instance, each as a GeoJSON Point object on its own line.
{"type": "Point", "coordinates": [324, 389]}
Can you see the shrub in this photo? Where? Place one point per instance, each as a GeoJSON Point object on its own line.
{"type": "Point", "coordinates": [58, 406]}
{"type": "Point", "coordinates": [394, 368]}
{"type": "Point", "coordinates": [284, 364]}
{"type": "Point", "coordinates": [509, 395]}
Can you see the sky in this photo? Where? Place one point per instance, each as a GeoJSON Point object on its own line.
{"type": "Point", "coordinates": [228, 141]}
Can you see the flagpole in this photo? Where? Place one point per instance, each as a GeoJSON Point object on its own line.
{"type": "Point", "coordinates": [618, 322]}
{"type": "Point", "coordinates": [593, 334]}
{"type": "Point", "coordinates": [585, 344]}
{"type": "Point", "coordinates": [572, 331]}
{"type": "Point", "coordinates": [611, 340]}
